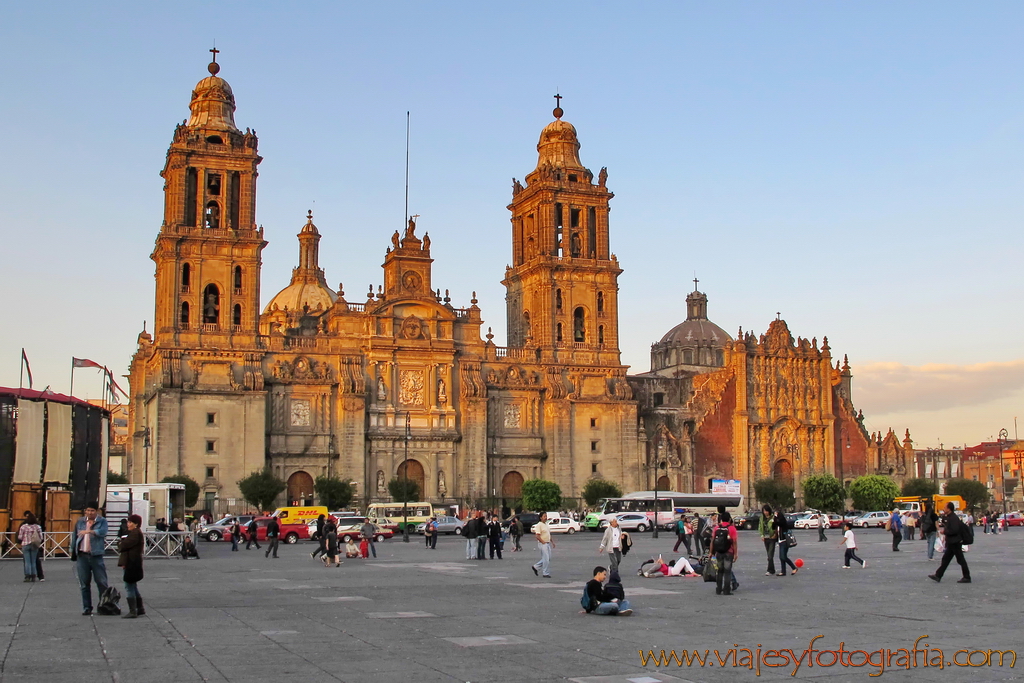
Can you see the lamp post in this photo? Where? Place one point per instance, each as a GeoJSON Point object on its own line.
{"type": "Point", "coordinates": [405, 478]}
{"type": "Point", "coordinates": [1003, 436]}
{"type": "Point", "coordinates": [657, 473]}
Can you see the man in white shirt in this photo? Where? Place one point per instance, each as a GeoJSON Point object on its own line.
{"type": "Point", "coordinates": [544, 542]}
{"type": "Point", "coordinates": [612, 541]}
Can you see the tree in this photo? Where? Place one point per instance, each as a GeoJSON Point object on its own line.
{"type": "Point", "coordinates": [404, 490]}
{"type": "Point", "coordinates": [116, 478]}
{"type": "Point", "coordinates": [775, 492]}
{"type": "Point", "coordinates": [873, 492]}
{"type": "Point", "coordinates": [334, 493]}
{"type": "Point", "coordinates": [596, 489]}
{"type": "Point", "coordinates": [973, 492]}
{"type": "Point", "coordinates": [541, 495]}
{"type": "Point", "coordinates": [261, 488]}
{"type": "Point", "coordinates": [191, 487]}
{"type": "Point", "coordinates": [824, 492]}
{"type": "Point", "coordinates": [920, 487]}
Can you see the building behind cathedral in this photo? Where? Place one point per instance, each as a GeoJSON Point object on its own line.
{"type": "Point", "coordinates": [401, 382]}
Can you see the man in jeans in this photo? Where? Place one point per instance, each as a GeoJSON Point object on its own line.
{"type": "Point", "coordinates": [766, 527]}
{"type": "Point", "coordinates": [726, 550]}
{"type": "Point", "coordinates": [600, 601]}
{"type": "Point", "coordinates": [90, 532]}
{"type": "Point", "coordinates": [896, 529]}
{"type": "Point", "coordinates": [470, 531]}
{"type": "Point", "coordinates": [545, 544]}
{"type": "Point", "coordinates": [928, 529]}
{"type": "Point", "coordinates": [368, 531]}
{"type": "Point", "coordinates": [612, 541]}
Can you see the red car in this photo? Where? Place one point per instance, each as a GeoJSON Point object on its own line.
{"type": "Point", "coordinates": [1013, 519]}
{"type": "Point", "coordinates": [290, 533]}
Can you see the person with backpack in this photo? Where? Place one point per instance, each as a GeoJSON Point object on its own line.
{"type": "Point", "coordinates": [235, 530]}
{"type": "Point", "coordinates": [612, 542]}
{"type": "Point", "coordinates": [90, 532]}
{"type": "Point", "coordinates": [681, 536]}
{"type": "Point", "coordinates": [895, 527]}
{"type": "Point", "coordinates": [725, 546]}
{"type": "Point", "coordinates": [430, 533]}
{"type": "Point", "coordinates": [130, 548]}
{"type": "Point", "coordinates": [251, 532]}
{"type": "Point", "coordinates": [30, 538]}
{"type": "Point", "coordinates": [929, 522]}
{"type": "Point", "coordinates": [957, 536]}
{"type": "Point", "coordinates": [596, 600]}
{"type": "Point", "coordinates": [782, 531]}
{"type": "Point", "coordinates": [769, 535]}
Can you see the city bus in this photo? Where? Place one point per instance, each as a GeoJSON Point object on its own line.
{"type": "Point", "coordinates": [662, 507]}
{"type": "Point", "coordinates": [417, 513]}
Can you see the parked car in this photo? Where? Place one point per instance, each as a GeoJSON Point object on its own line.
{"type": "Point", "coordinates": [835, 521]}
{"type": "Point", "coordinates": [562, 525]}
{"type": "Point", "coordinates": [386, 523]}
{"type": "Point", "coordinates": [354, 531]}
{"type": "Point", "coordinates": [631, 521]}
{"type": "Point", "coordinates": [750, 521]}
{"type": "Point", "coordinates": [799, 520]}
{"type": "Point", "coordinates": [807, 522]}
{"type": "Point", "coordinates": [528, 519]}
{"type": "Point", "coordinates": [215, 531]}
{"type": "Point", "coordinates": [876, 519]}
{"type": "Point", "coordinates": [445, 525]}
{"type": "Point", "coordinates": [851, 515]}
{"type": "Point", "coordinates": [290, 533]}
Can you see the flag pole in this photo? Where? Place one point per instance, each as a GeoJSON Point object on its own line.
{"type": "Point", "coordinates": [21, 370]}
{"type": "Point", "coordinates": [71, 393]}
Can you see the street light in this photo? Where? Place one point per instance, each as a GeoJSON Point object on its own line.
{"type": "Point", "coordinates": [405, 478]}
{"type": "Point", "coordinates": [657, 473]}
{"type": "Point", "coordinates": [1003, 436]}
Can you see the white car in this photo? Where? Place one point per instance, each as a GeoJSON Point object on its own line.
{"type": "Point", "coordinates": [562, 525]}
{"type": "Point", "coordinates": [809, 521]}
{"type": "Point", "coordinates": [631, 521]}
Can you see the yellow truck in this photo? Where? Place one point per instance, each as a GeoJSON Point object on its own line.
{"type": "Point", "coordinates": [917, 503]}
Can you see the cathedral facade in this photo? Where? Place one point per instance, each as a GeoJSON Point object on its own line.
{"type": "Point", "coordinates": [403, 383]}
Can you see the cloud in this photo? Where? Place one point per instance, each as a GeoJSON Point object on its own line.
{"type": "Point", "coordinates": [884, 388]}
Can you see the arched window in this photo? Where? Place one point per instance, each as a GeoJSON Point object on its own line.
{"type": "Point", "coordinates": [600, 302]}
{"type": "Point", "coordinates": [238, 278]}
{"type": "Point", "coordinates": [184, 315]}
{"type": "Point", "coordinates": [186, 277]}
{"type": "Point", "coordinates": [600, 334]}
{"type": "Point", "coordinates": [719, 357]}
{"type": "Point", "coordinates": [575, 245]}
{"type": "Point", "coordinates": [558, 332]}
{"type": "Point", "coordinates": [527, 330]}
{"type": "Point", "coordinates": [236, 317]}
{"type": "Point", "coordinates": [211, 305]}
{"type": "Point", "coordinates": [579, 325]}
{"type": "Point", "coordinates": [213, 216]}
{"type": "Point", "coordinates": [687, 357]}
{"type": "Point", "coordinates": [558, 299]}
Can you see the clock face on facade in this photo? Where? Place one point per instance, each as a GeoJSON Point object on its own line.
{"type": "Point", "coordinates": [411, 281]}
{"type": "Point", "coordinates": [300, 413]}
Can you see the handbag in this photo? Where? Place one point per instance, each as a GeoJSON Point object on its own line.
{"type": "Point", "coordinates": [790, 540]}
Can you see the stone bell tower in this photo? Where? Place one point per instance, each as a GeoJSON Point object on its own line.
{"type": "Point", "coordinates": [562, 287]}
{"type": "Point", "coordinates": [208, 251]}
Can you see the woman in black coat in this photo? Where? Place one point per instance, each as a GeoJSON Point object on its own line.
{"type": "Point", "coordinates": [131, 547]}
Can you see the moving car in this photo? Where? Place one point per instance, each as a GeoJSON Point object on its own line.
{"type": "Point", "coordinates": [562, 525]}
{"type": "Point", "coordinates": [354, 531]}
{"type": "Point", "coordinates": [290, 533]}
{"type": "Point", "coordinates": [750, 521]}
{"type": "Point", "coordinates": [445, 525]}
{"type": "Point", "coordinates": [631, 521]}
{"type": "Point", "coordinates": [876, 519]}
{"type": "Point", "coordinates": [215, 531]}
{"type": "Point", "coordinates": [1013, 518]}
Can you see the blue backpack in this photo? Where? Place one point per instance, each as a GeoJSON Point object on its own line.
{"type": "Point", "coordinates": [585, 600]}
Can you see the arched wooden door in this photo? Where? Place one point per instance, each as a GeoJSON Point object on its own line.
{"type": "Point", "coordinates": [413, 470]}
{"type": "Point", "coordinates": [783, 471]}
{"type": "Point", "coordinates": [512, 485]}
{"type": "Point", "coordinates": [300, 489]}
{"type": "Point", "coordinates": [664, 484]}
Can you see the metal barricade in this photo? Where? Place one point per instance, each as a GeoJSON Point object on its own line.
{"type": "Point", "coordinates": [57, 544]}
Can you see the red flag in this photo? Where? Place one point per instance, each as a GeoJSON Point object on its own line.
{"type": "Point", "coordinates": [113, 385]}
{"type": "Point", "coordinates": [85, 363]}
{"type": "Point", "coordinates": [24, 359]}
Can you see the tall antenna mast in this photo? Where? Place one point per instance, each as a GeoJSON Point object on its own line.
{"type": "Point", "coordinates": [405, 218]}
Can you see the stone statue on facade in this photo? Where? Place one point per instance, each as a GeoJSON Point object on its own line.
{"type": "Point", "coordinates": [382, 389]}
{"type": "Point", "coordinates": [442, 391]}
{"type": "Point", "coordinates": [381, 488]}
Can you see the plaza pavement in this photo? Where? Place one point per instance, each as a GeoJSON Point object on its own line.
{"type": "Point", "coordinates": [417, 615]}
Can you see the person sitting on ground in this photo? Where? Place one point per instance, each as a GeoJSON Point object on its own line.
{"type": "Point", "coordinates": [659, 567]}
{"type": "Point", "coordinates": [596, 599]}
{"type": "Point", "coordinates": [351, 549]}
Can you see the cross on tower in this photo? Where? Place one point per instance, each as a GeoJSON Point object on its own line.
{"type": "Point", "coordinates": [558, 100]}
{"type": "Point", "coordinates": [695, 281]}
{"type": "Point", "coordinates": [215, 52]}
{"type": "Point", "coordinates": [778, 315]}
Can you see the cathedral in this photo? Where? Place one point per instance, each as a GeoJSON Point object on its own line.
{"type": "Point", "coordinates": [404, 383]}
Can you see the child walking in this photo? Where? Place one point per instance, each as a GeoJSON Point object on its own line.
{"type": "Point", "coordinates": [851, 547]}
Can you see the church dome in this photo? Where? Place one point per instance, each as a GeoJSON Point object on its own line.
{"type": "Point", "coordinates": [298, 295]}
{"type": "Point", "coordinates": [213, 103]}
{"type": "Point", "coordinates": [694, 342]}
{"type": "Point", "coordinates": [558, 146]}
{"type": "Point", "coordinates": [693, 331]}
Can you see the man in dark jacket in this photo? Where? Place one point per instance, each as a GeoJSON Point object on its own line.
{"type": "Point", "coordinates": [955, 533]}
{"type": "Point", "coordinates": [251, 531]}
{"type": "Point", "coordinates": [470, 531]}
{"type": "Point", "coordinates": [481, 535]}
{"type": "Point", "coordinates": [600, 601]}
{"type": "Point", "coordinates": [494, 536]}
{"type": "Point", "coordinates": [273, 537]}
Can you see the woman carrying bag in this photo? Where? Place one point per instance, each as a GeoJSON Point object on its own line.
{"type": "Point", "coordinates": [131, 548]}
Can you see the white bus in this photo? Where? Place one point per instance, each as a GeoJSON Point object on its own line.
{"type": "Point", "coordinates": [661, 507]}
{"type": "Point", "coordinates": [417, 513]}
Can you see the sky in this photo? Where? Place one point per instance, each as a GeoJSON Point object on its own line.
{"type": "Point", "coordinates": [853, 166]}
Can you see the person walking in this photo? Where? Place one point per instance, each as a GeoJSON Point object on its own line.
{"type": "Point", "coordinates": [330, 555]}
{"type": "Point", "coordinates": [235, 529]}
{"type": "Point", "coordinates": [782, 534]}
{"type": "Point", "coordinates": [725, 546]}
{"type": "Point", "coordinates": [428, 532]}
{"type": "Point", "coordinates": [494, 536]}
{"type": "Point", "coordinates": [369, 532]}
{"type": "Point", "coordinates": [688, 534]}
{"type": "Point", "coordinates": [320, 537]}
{"type": "Point", "coordinates": [469, 530]}
{"type": "Point", "coordinates": [929, 528]}
{"type": "Point", "coordinates": [90, 531]}
{"type": "Point", "coordinates": [30, 539]}
{"type": "Point", "coordinates": [544, 543]}
{"type": "Point", "coordinates": [895, 525]}
{"type": "Point", "coordinates": [957, 536]}
{"type": "Point", "coordinates": [273, 537]}
{"type": "Point", "coordinates": [130, 548]}
{"type": "Point", "coordinates": [698, 533]}
{"type": "Point", "coordinates": [822, 525]}
{"type": "Point", "coordinates": [251, 531]}
{"type": "Point", "coordinates": [851, 546]}
{"type": "Point", "coordinates": [612, 542]}
{"type": "Point", "coordinates": [481, 535]}
{"type": "Point", "coordinates": [766, 527]}
{"type": "Point", "coordinates": [515, 528]}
